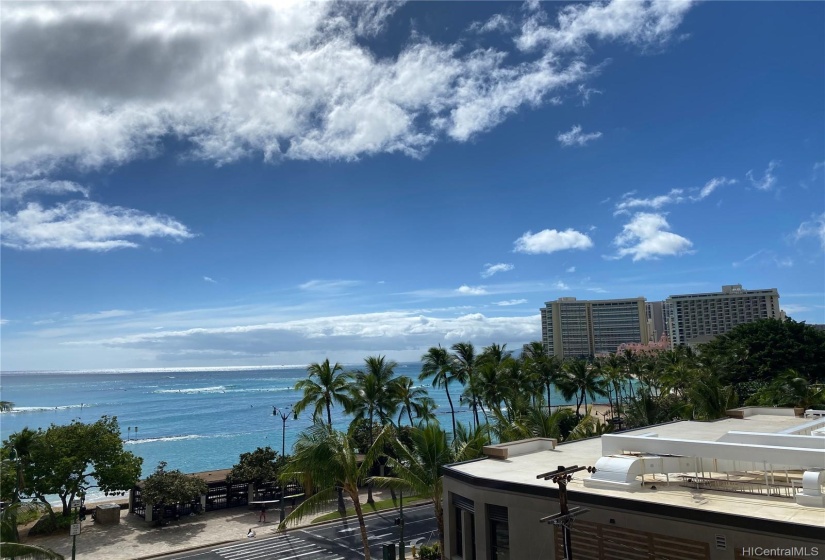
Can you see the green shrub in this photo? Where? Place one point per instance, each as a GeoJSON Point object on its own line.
{"type": "Point", "coordinates": [429, 552]}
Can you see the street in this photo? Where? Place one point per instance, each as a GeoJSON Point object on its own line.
{"type": "Point", "coordinates": [331, 541]}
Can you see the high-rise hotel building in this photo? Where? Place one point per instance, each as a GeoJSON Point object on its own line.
{"type": "Point", "coordinates": [577, 328]}
{"type": "Point", "coordinates": [697, 318]}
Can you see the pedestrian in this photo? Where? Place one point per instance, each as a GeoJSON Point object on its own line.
{"type": "Point", "coordinates": [262, 515]}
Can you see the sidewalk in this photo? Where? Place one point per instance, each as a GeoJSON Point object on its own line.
{"type": "Point", "coordinates": [135, 539]}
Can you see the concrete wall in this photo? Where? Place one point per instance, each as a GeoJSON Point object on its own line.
{"type": "Point", "coordinates": [533, 540]}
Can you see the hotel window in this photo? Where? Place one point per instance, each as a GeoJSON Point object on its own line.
{"type": "Point", "coordinates": [499, 532]}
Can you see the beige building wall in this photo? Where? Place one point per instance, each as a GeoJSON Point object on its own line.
{"type": "Point", "coordinates": [626, 530]}
{"type": "Point", "coordinates": [697, 318]}
{"type": "Point", "coordinates": [578, 328]}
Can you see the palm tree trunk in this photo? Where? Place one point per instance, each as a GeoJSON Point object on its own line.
{"type": "Point", "coordinates": [439, 518]}
{"type": "Point", "coordinates": [452, 410]}
{"type": "Point", "coordinates": [549, 408]}
{"type": "Point", "coordinates": [370, 499]}
{"type": "Point", "coordinates": [356, 502]}
{"type": "Point", "coordinates": [329, 415]}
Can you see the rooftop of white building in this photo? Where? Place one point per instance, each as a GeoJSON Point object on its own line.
{"type": "Point", "coordinates": [767, 464]}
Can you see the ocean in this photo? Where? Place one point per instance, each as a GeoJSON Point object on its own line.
{"type": "Point", "coordinates": [195, 419]}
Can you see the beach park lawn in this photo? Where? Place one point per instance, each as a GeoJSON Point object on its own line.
{"type": "Point", "coordinates": [380, 505]}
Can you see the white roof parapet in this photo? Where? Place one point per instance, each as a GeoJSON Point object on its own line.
{"type": "Point", "coordinates": [774, 439]}
{"type": "Point", "coordinates": [618, 444]}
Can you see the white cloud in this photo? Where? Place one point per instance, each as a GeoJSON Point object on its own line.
{"type": "Point", "coordinates": [643, 23]}
{"type": "Point", "coordinates": [561, 286]}
{"type": "Point", "coordinates": [674, 196]}
{"type": "Point", "coordinates": [814, 228]}
{"type": "Point", "coordinates": [509, 302]}
{"type": "Point", "coordinates": [17, 190]}
{"type": "Point", "coordinates": [404, 335]}
{"type": "Point", "coordinates": [274, 80]}
{"type": "Point", "coordinates": [551, 240]}
{"type": "Point", "coordinates": [110, 314]}
{"type": "Point", "coordinates": [571, 269]}
{"type": "Point", "coordinates": [585, 93]}
{"type": "Point", "coordinates": [84, 225]}
{"type": "Point", "coordinates": [490, 269]}
{"type": "Point", "coordinates": [768, 179]}
{"type": "Point", "coordinates": [765, 258]}
{"type": "Point", "coordinates": [4, 321]}
{"type": "Point", "coordinates": [471, 290]}
{"type": "Point", "coordinates": [497, 22]}
{"type": "Point", "coordinates": [711, 186]}
{"type": "Point", "coordinates": [656, 202]}
{"type": "Point", "coordinates": [575, 137]}
{"type": "Point", "coordinates": [646, 237]}
{"type": "Point", "coordinates": [210, 280]}
{"type": "Point", "coordinates": [328, 285]}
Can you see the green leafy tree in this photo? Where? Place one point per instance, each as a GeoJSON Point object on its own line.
{"type": "Point", "coordinates": [465, 359]}
{"type": "Point", "coordinates": [68, 460]}
{"type": "Point", "coordinates": [259, 466]}
{"type": "Point", "coordinates": [789, 389]}
{"type": "Point", "coordinates": [164, 488]}
{"type": "Point", "coordinates": [326, 460]}
{"type": "Point", "coordinates": [325, 386]}
{"type": "Point", "coordinates": [762, 350]}
{"type": "Point", "coordinates": [711, 399]}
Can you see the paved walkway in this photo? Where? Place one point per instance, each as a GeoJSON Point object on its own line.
{"type": "Point", "coordinates": [134, 539]}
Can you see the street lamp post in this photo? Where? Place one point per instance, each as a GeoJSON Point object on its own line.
{"type": "Point", "coordinates": [284, 413]}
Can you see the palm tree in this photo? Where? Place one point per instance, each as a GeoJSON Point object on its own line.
{"type": "Point", "coordinates": [373, 394]}
{"type": "Point", "coordinates": [581, 381]}
{"type": "Point", "coordinates": [710, 399]}
{"type": "Point", "coordinates": [418, 468]}
{"type": "Point", "coordinates": [436, 363]}
{"type": "Point", "coordinates": [329, 460]}
{"type": "Point", "coordinates": [464, 356]}
{"type": "Point", "coordinates": [546, 369]}
{"type": "Point", "coordinates": [412, 399]}
{"type": "Point", "coordinates": [330, 388]}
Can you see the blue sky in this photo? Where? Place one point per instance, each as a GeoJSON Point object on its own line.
{"type": "Point", "coordinates": [210, 184]}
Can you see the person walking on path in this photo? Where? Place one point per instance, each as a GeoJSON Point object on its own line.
{"type": "Point", "coordinates": [262, 515]}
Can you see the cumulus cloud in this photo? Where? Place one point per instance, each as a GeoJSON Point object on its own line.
{"type": "Point", "coordinates": [350, 336]}
{"type": "Point", "coordinates": [646, 236]}
{"type": "Point", "coordinates": [768, 179]}
{"type": "Point", "coordinates": [96, 84]}
{"type": "Point", "coordinates": [561, 286]}
{"type": "Point", "coordinates": [490, 269]}
{"type": "Point", "coordinates": [575, 137]}
{"type": "Point", "coordinates": [551, 240]}
{"type": "Point", "coordinates": [571, 269]}
{"type": "Point", "coordinates": [85, 225]}
{"type": "Point", "coordinates": [815, 228]}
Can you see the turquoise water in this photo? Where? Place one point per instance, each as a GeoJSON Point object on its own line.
{"type": "Point", "coordinates": [195, 420]}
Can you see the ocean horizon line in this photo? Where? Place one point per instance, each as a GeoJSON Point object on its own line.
{"type": "Point", "coordinates": [183, 369]}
